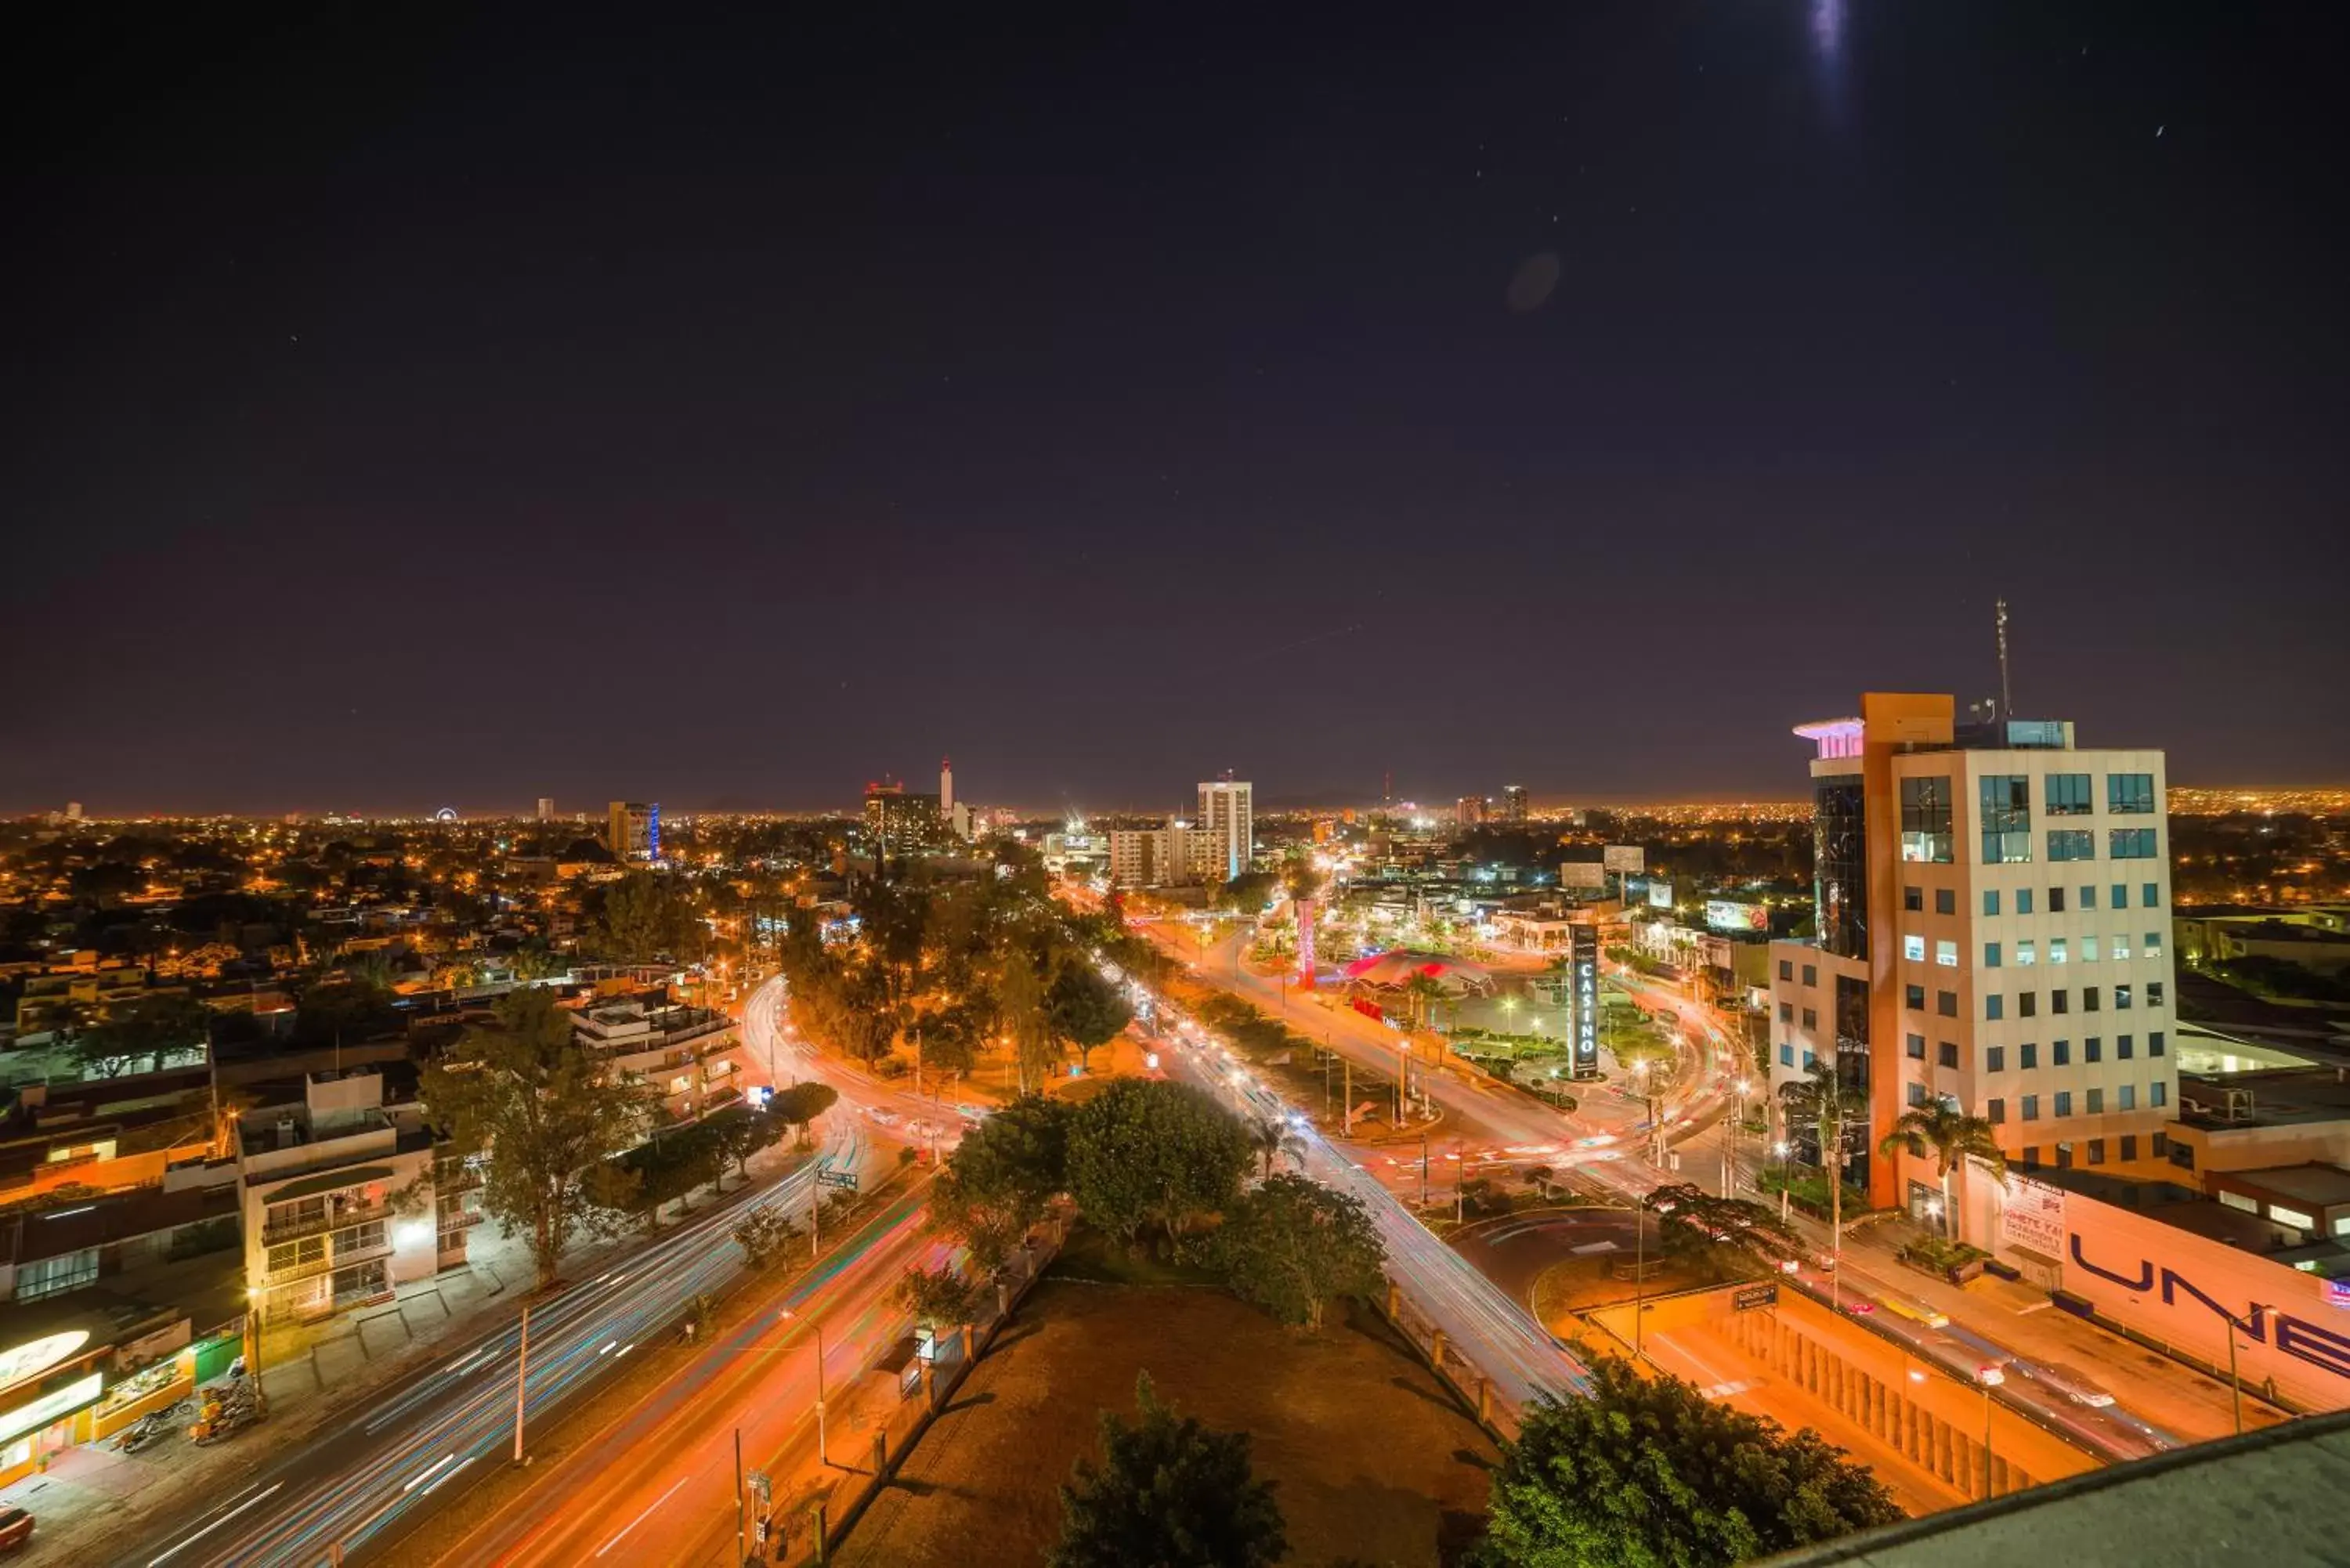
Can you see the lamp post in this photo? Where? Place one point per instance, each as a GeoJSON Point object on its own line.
{"type": "Point", "coordinates": [2235, 1384]}
{"type": "Point", "coordinates": [1730, 1143]}
{"type": "Point", "coordinates": [521, 1380]}
{"type": "Point", "coordinates": [822, 1455]}
{"type": "Point", "coordinates": [1989, 1377]}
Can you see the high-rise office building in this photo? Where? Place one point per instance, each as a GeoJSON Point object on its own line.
{"type": "Point", "coordinates": [632, 830]}
{"type": "Point", "coordinates": [897, 823]}
{"type": "Point", "coordinates": [546, 809]}
{"type": "Point", "coordinates": [1513, 802]}
{"type": "Point", "coordinates": [1993, 912]}
{"type": "Point", "coordinates": [1469, 811]}
{"type": "Point", "coordinates": [1229, 822]}
{"type": "Point", "coordinates": [946, 788]}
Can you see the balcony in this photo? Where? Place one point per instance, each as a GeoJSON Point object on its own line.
{"type": "Point", "coordinates": [333, 1218]}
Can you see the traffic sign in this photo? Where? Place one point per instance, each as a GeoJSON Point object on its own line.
{"type": "Point", "coordinates": [837, 1179]}
{"type": "Point", "coordinates": [1746, 1298]}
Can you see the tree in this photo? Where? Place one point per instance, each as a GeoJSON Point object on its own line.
{"type": "Point", "coordinates": [1245, 893]}
{"type": "Point", "coordinates": [801, 1104]}
{"type": "Point", "coordinates": [1150, 1151]}
{"type": "Point", "coordinates": [1169, 1493]}
{"type": "Point", "coordinates": [1714, 1234]}
{"type": "Point", "coordinates": [549, 1115]}
{"type": "Point", "coordinates": [763, 1234]}
{"type": "Point", "coordinates": [1829, 1109]}
{"type": "Point", "coordinates": [1271, 1138]}
{"type": "Point", "coordinates": [1024, 990]}
{"type": "Point", "coordinates": [1424, 991]}
{"type": "Point", "coordinates": [1293, 1246]}
{"type": "Point", "coordinates": [1085, 1009]}
{"type": "Point", "coordinates": [648, 917]}
{"type": "Point", "coordinates": [146, 1029]}
{"type": "Point", "coordinates": [940, 1298]}
{"type": "Point", "coordinates": [1001, 1177]}
{"type": "Point", "coordinates": [1951, 1136]}
{"type": "Point", "coordinates": [1644, 1473]}
{"type": "Point", "coordinates": [742, 1134]}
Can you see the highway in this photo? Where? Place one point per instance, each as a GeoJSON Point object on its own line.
{"type": "Point", "coordinates": [378, 1472]}
{"type": "Point", "coordinates": [659, 1481]}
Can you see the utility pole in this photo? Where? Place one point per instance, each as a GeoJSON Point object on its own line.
{"type": "Point", "coordinates": [522, 1379]}
{"type": "Point", "coordinates": [741, 1542]}
{"type": "Point", "coordinates": [1347, 1070]}
{"type": "Point", "coordinates": [1424, 1168]}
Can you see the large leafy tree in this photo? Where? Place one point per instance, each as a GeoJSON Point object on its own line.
{"type": "Point", "coordinates": [549, 1115]}
{"type": "Point", "coordinates": [1148, 1152]}
{"type": "Point", "coordinates": [1950, 1135]}
{"type": "Point", "coordinates": [1085, 1009]}
{"type": "Point", "coordinates": [648, 916]}
{"type": "Point", "coordinates": [1649, 1473]}
{"type": "Point", "coordinates": [940, 1298]}
{"type": "Point", "coordinates": [1169, 1493]}
{"type": "Point", "coordinates": [139, 1033]}
{"type": "Point", "coordinates": [801, 1104]}
{"type": "Point", "coordinates": [1293, 1246]}
{"type": "Point", "coordinates": [1002, 1175]}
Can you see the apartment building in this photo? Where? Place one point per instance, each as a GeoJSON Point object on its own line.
{"type": "Point", "coordinates": [1992, 905]}
{"type": "Point", "coordinates": [1227, 819]}
{"type": "Point", "coordinates": [691, 1058]}
{"type": "Point", "coordinates": [1170, 857]}
{"type": "Point", "coordinates": [340, 1202]}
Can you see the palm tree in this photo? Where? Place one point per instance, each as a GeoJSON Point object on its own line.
{"type": "Point", "coordinates": [1425, 990]}
{"type": "Point", "coordinates": [1273, 1137]}
{"type": "Point", "coordinates": [1831, 1109]}
{"type": "Point", "coordinates": [1951, 1135]}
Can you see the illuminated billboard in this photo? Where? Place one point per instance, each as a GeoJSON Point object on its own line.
{"type": "Point", "coordinates": [1583, 969]}
{"type": "Point", "coordinates": [1721, 915]}
{"type": "Point", "coordinates": [1588, 875]}
{"type": "Point", "coordinates": [1660, 895]}
{"type": "Point", "coordinates": [1624, 858]}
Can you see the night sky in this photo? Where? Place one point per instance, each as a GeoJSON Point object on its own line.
{"type": "Point", "coordinates": [449, 409]}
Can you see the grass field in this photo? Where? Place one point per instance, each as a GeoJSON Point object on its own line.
{"type": "Point", "coordinates": [1376, 1462]}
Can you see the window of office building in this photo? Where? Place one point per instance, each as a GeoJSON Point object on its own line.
{"type": "Point", "coordinates": [1913, 948]}
{"type": "Point", "coordinates": [2153, 1043]}
{"type": "Point", "coordinates": [1946, 901]}
{"type": "Point", "coordinates": [2068, 794]}
{"type": "Point", "coordinates": [1991, 901]}
{"type": "Point", "coordinates": [2027, 1056]}
{"type": "Point", "coordinates": [1913, 996]}
{"type": "Point", "coordinates": [55, 1276]}
{"type": "Point", "coordinates": [2064, 1102]}
{"type": "Point", "coordinates": [1995, 1111]}
{"type": "Point", "coordinates": [2121, 945]}
{"type": "Point", "coordinates": [2125, 1047]}
{"type": "Point", "coordinates": [2060, 1001]}
{"type": "Point", "coordinates": [2096, 1145]}
{"type": "Point", "coordinates": [2089, 897]}
{"type": "Point", "coordinates": [2088, 998]}
{"type": "Point", "coordinates": [2024, 900]}
{"type": "Point", "coordinates": [1916, 1094]}
{"type": "Point", "coordinates": [2027, 1004]}
{"type": "Point", "coordinates": [1913, 899]}
{"type": "Point", "coordinates": [1946, 1003]}
{"type": "Point", "coordinates": [2006, 818]}
{"type": "Point", "coordinates": [2129, 1096]}
{"type": "Point", "coordinates": [1786, 1012]}
{"type": "Point", "coordinates": [2129, 1145]}
{"type": "Point", "coordinates": [2121, 999]}
{"type": "Point", "coordinates": [1991, 955]}
{"type": "Point", "coordinates": [2154, 993]}
{"type": "Point", "coordinates": [2150, 894]}
{"type": "Point", "coordinates": [2129, 794]}
{"type": "Point", "coordinates": [1995, 1059]}
{"type": "Point", "coordinates": [1786, 969]}
{"type": "Point", "coordinates": [1786, 1056]}
{"type": "Point", "coordinates": [1810, 975]}
{"type": "Point", "coordinates": [2130, 843]}
{"type": "Point", "coordinates": [2093, 1049]}
{"type": "Point", "coordinates": [1840, 864]}
{"type": "Point", "coordinates": [2158, 1094]}
{"type": "Point", "coordinates": [2055, 900]}
{"type": "Point", "coordinates": [2031, 1107]}
{"type": "Point", "coordinates": [1925, 820]}
{"type": "Point", "coordinates": [1946, 953]}
{"type": "Point", "coordinates": [2058, 949]}
{"type": "Point", "coordinates": [2097, 1102]}
{"type": "Point", "coordinates": [2072, 843]}
{"type": "Point", "coordinates": [2027, 952]}
{"type": "Point", "coordinates": [2121, 896]}
{"type": "Point", "coordinates": [1811, 1018]}
{"type": "Point", "coordinates": [1994, 1007]}
{"type": "Point", "coordinates": [2064, 1157]}
{"type": "Point", "coordinates": [1811, 1059]}
{"type": "Point", "coordinates": [2059, 1052]}
{"type": "Point", "coordinates": [1947, 1053]}
{"type": "Point", "coordinates": [1916, 1046]}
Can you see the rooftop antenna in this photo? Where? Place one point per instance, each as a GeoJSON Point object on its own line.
{"type": "Point", "coordinates": [2006, 702]}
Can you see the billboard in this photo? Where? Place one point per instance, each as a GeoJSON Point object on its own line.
{"type": "Point", "coordinates": [1660, 895]}
{"type": "Point", "coordinates": [1624, 858]}
{"type": "Point", "coordinates": [1583, 968]}
{"type": "Point", "coordinates": [1723, 915]}
{"type": "Point", "coordinates": [2034, 1216]}
{"type": "Point", "coordinates": [2183, 1289]}
{"type": "Point", "coordinates": [1587, 876]}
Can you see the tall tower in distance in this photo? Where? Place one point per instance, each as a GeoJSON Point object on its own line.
{"type": "Point", "coordinates": [546, 809]}
{"type": "Point", "coordinates": [946, 788]}
{"type": "Point", "coordinates": [1228, 822]}
{"type": "Point", "coordinates": [1513, 802]}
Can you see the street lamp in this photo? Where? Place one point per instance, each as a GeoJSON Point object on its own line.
{"type": "Point", "coordinates": [822, 1456]}
{"type": "Point", "coordinates": [1730, 1143]}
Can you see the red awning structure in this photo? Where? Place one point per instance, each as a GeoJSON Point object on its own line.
{"type": "Point", "coordinates": [1393, 971]}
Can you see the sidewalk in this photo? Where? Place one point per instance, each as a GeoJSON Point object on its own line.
{"type": "Point", "coordinates": [93, 1495]}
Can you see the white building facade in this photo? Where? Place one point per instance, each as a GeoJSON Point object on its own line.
{"type": "Point", "coordinates": [1227, 819]}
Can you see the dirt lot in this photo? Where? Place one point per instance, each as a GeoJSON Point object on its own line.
{"type": "Point", "coordinates": [1374, 1461]}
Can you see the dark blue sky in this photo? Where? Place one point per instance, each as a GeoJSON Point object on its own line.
{"type": "Point", "coordinates": [468, 408]}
